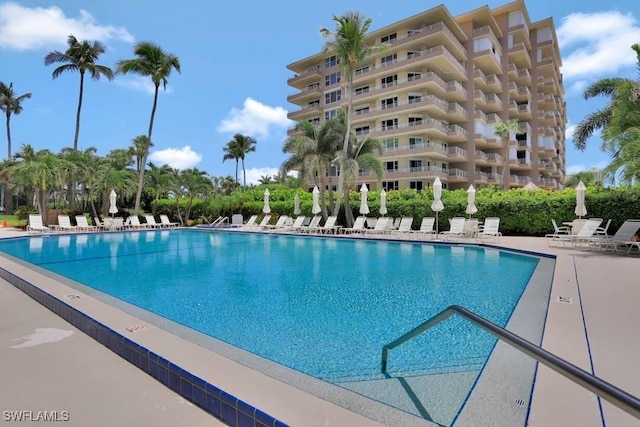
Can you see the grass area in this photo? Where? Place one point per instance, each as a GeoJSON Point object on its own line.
{"type": "Point", "coordinates": [12, 221]}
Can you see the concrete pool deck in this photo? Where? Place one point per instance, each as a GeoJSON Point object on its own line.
{"type": "Point", "coordinates": [597, 328]}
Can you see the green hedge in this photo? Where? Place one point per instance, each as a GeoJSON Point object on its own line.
{"type": "Point", "coordinates": [520, 211]}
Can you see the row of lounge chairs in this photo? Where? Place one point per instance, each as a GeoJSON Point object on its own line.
{"type": "Point", "coordinates": [82, 224]}
{"type": "Point", "coordinates": [460, 227]}
{"type": "Point", "coordinates": [594, 236]}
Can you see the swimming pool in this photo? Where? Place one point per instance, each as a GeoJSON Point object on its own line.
{"type": "Point", "coordinates": [322, 306]}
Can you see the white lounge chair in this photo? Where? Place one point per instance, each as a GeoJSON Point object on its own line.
{"type": "Point", "coordinates": [151, 222]}
{"type": "Point", "coordinates": [313, 224]}
{"type": "Point", "coordinates": [621, 238]}
{"type": "Point", "coordinates": [265, 221]}
{"type": "Point", "coordinates": [64, 224]}
{"type": "Point", "coordinates": [35, 224]}
{"type": "Point", "coordinates": [405, 224]}
{"type": "Point", "coordinates": [490, 230]}
{"type": "Point", "coordinates": [383, 226]}
{"type": "Point", "coordinates": [426, 227]}
{"type": "Point", "coordinates": [101, 225]}
{"type": "Point", "coordinates": [456, 229]}
{"type": "Point", "coordinates": [558, 232]}
{"type": "Point", "coordinates": [584, 236]}
{"type": "Point", "coordinates": [358, 226]}
{"type": "Point", "coordinates": [83, 224]}
{"type": "Point", "coordinates": [166, 222]}
{"type": "Point", "coordinates": [280, 223]}
{"type": "Point", "coordinates": [134, 223]}
{"type": "Point", "coordinates": [329, 226]}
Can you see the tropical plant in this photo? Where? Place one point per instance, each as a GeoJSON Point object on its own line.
{"type": "Point", "coordinates": [588, 178]}
{"type": "Point", "coordinates": [160, 180]}
{"type": "Point", "coordinates": [265, 179]}
{"type": "Point", "coordinates": [10, 103]}
{"type": "Point", "coordinates": [150, 61]}
{"type": "Point", "coordinates": [504, 130]}
{"type": "Point", "coordinates": [619, 121]}
{"type": "Point", "coordinates": [80, 56]}
{"type": "Point", "coordinates": [312, 149]}
{"type": "Point", "coordinates": [348, 44]}
{"type": "Point", "coordinates": [193, 183]}
{"type": "Point", "coordinates": [138, 149]}
{"type": "Point", "coordinates": [224, 185]}
{"type": "Point", "coordinates": [237, 149]}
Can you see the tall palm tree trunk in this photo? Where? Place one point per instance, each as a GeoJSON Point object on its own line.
{"type": "Point", "coordinates": [8, 135]}
{"type": "Point", "coordinates": [244, 174]}
{"type": "Point", "coordinates": [5, 196]}
{"type": "Point", "coordinates": [345, 147]}
{"type": "Point", "coordinates": [136, 209]}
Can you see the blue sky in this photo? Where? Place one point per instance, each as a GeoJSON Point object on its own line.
{"type": "Point", "coordinates": [234, 76]}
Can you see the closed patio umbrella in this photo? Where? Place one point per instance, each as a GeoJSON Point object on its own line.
{"type": "Point", "coordinates": [364, 207]}
{"type": "Point", "coordinates": [315, 207]}
{"type": "Point", "coordinates": [581, 209]}
{"type": "Point", "coordinates": [113, 209]}
{"type": "Point", "coordinates": [437, 205]}
{"type": "Point", "coordinates": [471, 200]}
{"type": "Point", "coordinates": [383, 202]}
{"type": "Point", "coordinates": [296, 205]}
{"type": "Point", "coordinates": [266, 208]}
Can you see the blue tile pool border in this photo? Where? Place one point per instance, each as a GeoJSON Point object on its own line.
{"type": "Point", "coordinates": [218, 403]}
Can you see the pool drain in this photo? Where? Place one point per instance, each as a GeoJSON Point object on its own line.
{"type": "Point", "coordinates": [520, 402]}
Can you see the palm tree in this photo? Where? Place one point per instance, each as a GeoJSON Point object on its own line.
{"type": "Point", "coordinates": [138, 149]}
{"type": "Point", "coordinates": [622, 92]}
{"type": "Point", "coordinates": [232, 152]}
{"type": "Point", "coordinates": [151, 61]}
{"type": "Point", "coordinates": [80, 56]}
{"type": "Point", "coordinates": [241, 145]}
{"type": "Point", "coordinates": [504, 130]}
{"type": "Point", "coordinates": [160, 180]}
{"type": "Point", "coordinates": [348, 43]}
{"type": "Point", "coordinates": [10, 104]}
{"type": "Point", "coordinates": [312, 149]}
{"type": "Point", "coordinates": [194, 183]}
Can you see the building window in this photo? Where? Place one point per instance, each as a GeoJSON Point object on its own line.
{"type": "Point", "coordinates": [363, 130]}
{"type": "Point", "coordinates": [415, 121]}
{"type": "Point", "coordinates": [391, 144]}
{"type": "Point", "coordinates": [332, 79]}
{"type": "Point", "coordinates": [415, 142]}
{"type": "Point", "coordinates": [416, 185]}
{"type": "Point", "coordinates": [391, 166]}
{"type": "Point", "coordinates": [313, 86]}
{"type": "Point", "coordinates": [315, 103]}
{"type": "Point", "coordinates": [389, 185]}
{"type": "Point", "coordinates": [413, 98]}
{"type": "Point", "coordinates": [331, 97]}
{"type": "Point", "coordinates": [389, 38]}
{"type": "Point", "coordinates": [415, 165]}
{"type": "Point", "coordinates": [389, 102]}
{"type": "Point", "coordinates": [414, 76]}
{"type": "Point", "coordinates": [389, 60]}
{"type": "Point", "coordinates": [315, 121]}
{"type": "Point", "coordinates": [361, 70]}
{"type": "Point", "coordinates": [332, 61]}
{"type": "Point", "coordinates": [413, 54]}
{"type": "Point", "coordinates": [390, 81]}
{"type": "Point", "coordinates": [390, 124]}
{"type": "Point", "coordinates": [331, 114]}
{"type": "Point", "coordinates": [361, 110]}
{"type": "Point", "coordinates": [361, 90]}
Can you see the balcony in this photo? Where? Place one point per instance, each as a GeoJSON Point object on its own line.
{"type": "Point", "coordinates": [481, 158]}
{"type": "Point", "coordinates": [458, 175]}
{"type": "Point", "coordinates": [304, 79]}
{"type": "Point", "coordinates": [305, 113]}
{"type": "Point", "coordinates": [458, 154]}
{"type": "Point", "coordinates": [495, 159]}
{"type": "Point", "coordinates": [431, 149]}
{"type": "Point", "coordinates": [419, 172]}
{"type": "Point", "coordinates": [520, 164]}
{"type": "Point", "coordinates": [303, 97]}
{"type": "Point", "coordinates": [519, 55]}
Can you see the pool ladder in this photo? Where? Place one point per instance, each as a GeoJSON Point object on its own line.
{"type": "Point", "coordinates": [607, 391]}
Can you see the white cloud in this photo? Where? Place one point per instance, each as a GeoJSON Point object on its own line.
{"type": "Point", "coordinates": [254, 174]}
{"type": "Point", "coordinates": [568, 133]}
{"type": "Point", "coordinates": [596, 44]}
{"type": "Point", "coordinates": [24, 28]}
{"type": "Point", "coordinates": [254, 119]}
{"type": "Point", "coordinates": [143, 84]}
{"type": "Point", "coordinates": [177, 158]}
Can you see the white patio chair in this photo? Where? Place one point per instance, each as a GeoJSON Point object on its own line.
{"type": "Point", "coordinates": [35, 224]}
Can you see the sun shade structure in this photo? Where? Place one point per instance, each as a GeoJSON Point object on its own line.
{"type": "Point", "coordinates": [315, 208]}
{"type": "Point", "coordinates": [437, 205]}
{"type": "Point", "coordinates": [296, 205]}
{"type": "Point", "coordinates": [581, 209]}
{"type": "Point", "coordinates": [113, 209]}
{"type": "Point", "coordinates": [364, 207]}
{"type": "Point", "coordinates": [266, 208]}
{"type": "Point", "coordinates": [383, 202]}
{"type": "Point", "coordinates": [471, 200]}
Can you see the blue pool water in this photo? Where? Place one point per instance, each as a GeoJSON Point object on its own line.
{"type": "Point", "coordinates": [322, 306]}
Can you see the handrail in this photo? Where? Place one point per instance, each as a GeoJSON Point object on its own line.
{"type": "Point", "coordinates": [219, 221]}
{"type": "Point", "coordinates": [607, 391]}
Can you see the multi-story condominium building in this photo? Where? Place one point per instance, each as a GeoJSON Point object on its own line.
{"type": "Point", "coordinates": [434, 95]}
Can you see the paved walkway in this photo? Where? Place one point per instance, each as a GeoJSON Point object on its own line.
{"type": "Point", "coordinates": [597, 330]}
